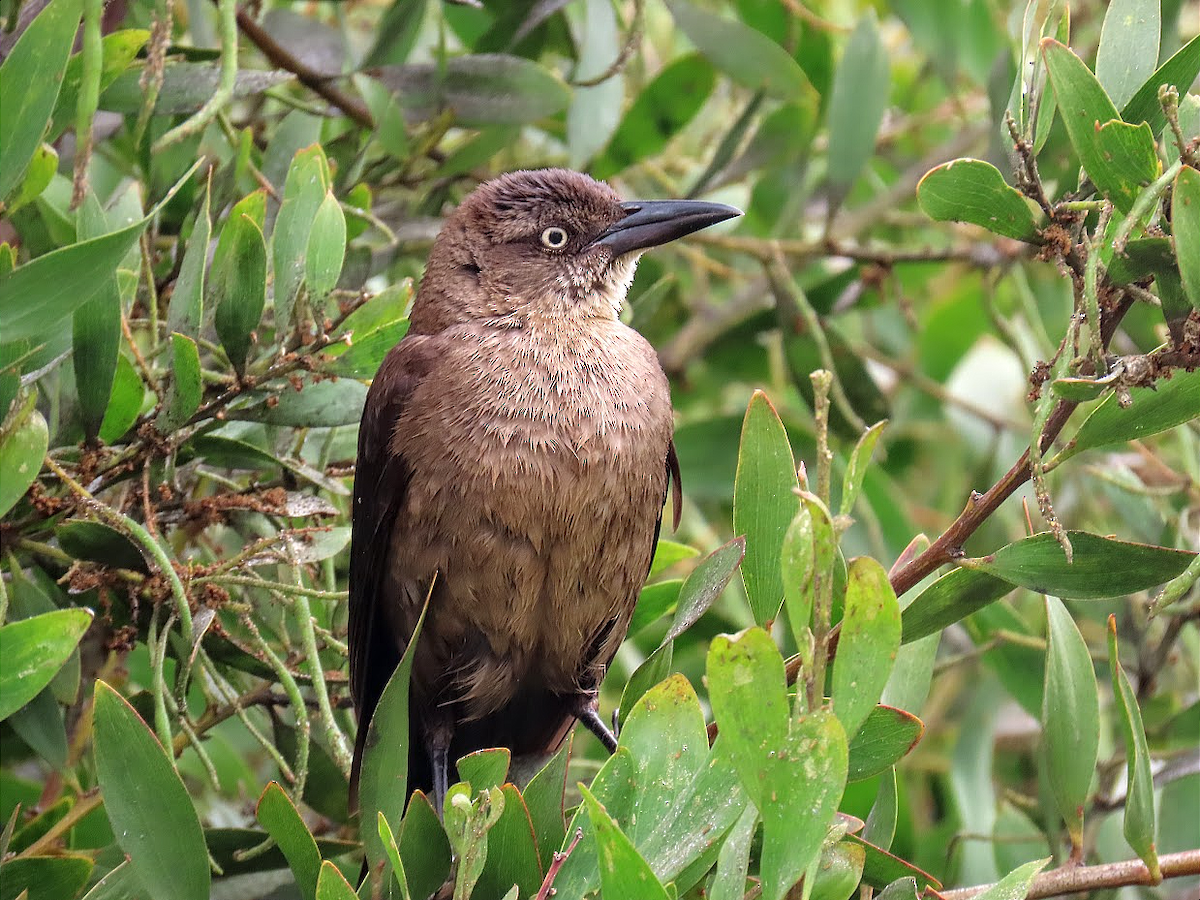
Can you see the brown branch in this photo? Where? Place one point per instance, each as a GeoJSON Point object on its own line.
{"type": "Point", "coordinates": [949, 543]}
{"type": "Point", "coordinates": [1075, 879]}
{"type": "Point", "coordinates": [315, 81]}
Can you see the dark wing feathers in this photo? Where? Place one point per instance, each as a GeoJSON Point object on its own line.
{"type": "Point", "coordinates": [380, 483]}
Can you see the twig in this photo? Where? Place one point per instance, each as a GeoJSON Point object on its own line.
{"type": "Point", "coordinates": [547, 889]}
{"type": "Point", "coordinates": [314, 81]}
{"type": "Point", "coordinates": [1075, 879]}
{"type": "Point", "coordinates": [228, 14]}
{"type": "Point", "coordinates": [632, 39]}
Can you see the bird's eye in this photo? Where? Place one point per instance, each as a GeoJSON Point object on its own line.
{"type": "Point", "coordinates": [554, 238]}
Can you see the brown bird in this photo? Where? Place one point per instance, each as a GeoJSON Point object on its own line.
{"type": "Point", "coordinates": [517, 444]}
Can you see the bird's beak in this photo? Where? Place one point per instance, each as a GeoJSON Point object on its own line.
{"type": "Point", "coordinates": [649, 223]}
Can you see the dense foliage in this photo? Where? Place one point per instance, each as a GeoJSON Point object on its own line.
{"type": "Point", "coordinates": [961, 649]}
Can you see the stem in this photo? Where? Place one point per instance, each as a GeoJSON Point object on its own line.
{"type": "Point", "coordinates": [228, 16]}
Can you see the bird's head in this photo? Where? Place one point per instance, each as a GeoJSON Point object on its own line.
{"type": "Point", "coordinates": [551, 243]}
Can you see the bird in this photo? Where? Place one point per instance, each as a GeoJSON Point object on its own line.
{"type": "Point", "coordinates": [513, 463]}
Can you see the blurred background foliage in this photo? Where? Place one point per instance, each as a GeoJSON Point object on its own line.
{"type": "Point", "coordinates": [214, 216]}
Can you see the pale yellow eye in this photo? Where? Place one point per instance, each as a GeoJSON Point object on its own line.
{"type": "Point", "coordinates": [554, 238]}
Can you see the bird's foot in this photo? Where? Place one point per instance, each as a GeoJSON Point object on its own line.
{"type": "Point", "coordinates": [587, 713]}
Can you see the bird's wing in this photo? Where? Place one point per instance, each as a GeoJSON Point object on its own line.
{"type": "Point", "coordinates": [380, 484]}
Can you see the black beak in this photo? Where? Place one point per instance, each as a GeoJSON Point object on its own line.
{"type": "Point", "coordinates": [653, 222]}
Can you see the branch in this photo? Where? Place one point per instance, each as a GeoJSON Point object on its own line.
{"type": "Point", "coordinates": [1074, 879]}
{"type": "Point", "coordinates": [281, 57]}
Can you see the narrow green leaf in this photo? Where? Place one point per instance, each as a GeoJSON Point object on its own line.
{"type": "Point", "coordinates": [38, 175]}
{"type": "Point", "coordinates": [512, 858]}
{"type": "Point", "coordinates": [237, 283]}
{"type": "Point", "coordinates": [279, 816]}
{"type": "Point", "coordinates": [656, 667]}
{"type": "Point", "coordinates": [747, 56]}
{"type": "Point", "coordinates": [332, 884]}
{"type": "Point", "coordinates": [544, 798]}
{"type": "Point", "coordinates": [186, 309]}
{"type": "Point", "coordinates": [187, 86]}
{"type": "Point", "coordinates": [303, 193]}
{"type": "Point", "coordinates": [1103, 567]}
{"type": "Point", "coordinates": [880, 828]}
{"type": "Point", "coordinates": [1169, 404]}
{"type": "Point", "coordinates": [324, 404]}
{"type": "Point", "coordinates": [149, 807]}
{"type": "Point", "coordinates": [30, 79]}
{"type": "Point", "coordinates": [1118, 157]}
{"type": "Point", "coordinates": [1070, 717]}
{"type": "Point", "coordinates": [624, 874]}
{"type": "Point", "coordinates": [33, 650]}
{"type": "Point", "coordinates": [326, 249]}
{"type": "Point", "coordinates": [764, 504]}
{"type": "Point", "coordinates": [861, 87]}
{"type": "Point", "coordinates": [1185, 225]}
{"type": "Point", "coordinates": [1140, 821]}
{"type": "Point", "coordinates": [658, 113]}
{"type": "Point", "coordinates": [654, 602]}
{"type": "Point", "coordinates": [95, 332]}
{"type": "Point", "coordinates": [24, 440]}
{"type": "Point", "coordinates": [595, 110]}
{"type": "Point", "coordinates": [485, 769]}
{"type": "Point", "coordinates": [1180, 70]}
{"type": "Point", "coordinates": [119, 49]}
{"type": "Point", "coordinates": [971, 190]}
{"type": "Point", "coordinates": [881, 868]}
{"type": "Point", "coordinates": [798, 569]}
{"type": "Point", "coordinates": [187, 389]}
{"type": "Point", "coordinates": [1128, 49]}
{"type": "Point", "coordinates": [887, 736]}
{"type": "Point", "coordinates": [704, 585]}
{"type": "Point", "coordinates": [383, 779]}
{"type": "Point", "coordinates": [733, 861]}
{"type": "Point", "coordinates": [839, 871]}
{"type": "Point", "coordinates": [668, 553]}
{"type": "Point", "coordinates": [951, 597]}
{"type": "Point", "coordinates": [124, 403]}
{"type": "Point", "coordinates": [393, 853]}
{"type": "Point", "coordinates": [856, 470]}
{"type": "Point", "coordinates": [869, 641]}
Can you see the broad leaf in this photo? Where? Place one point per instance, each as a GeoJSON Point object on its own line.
{"type": "Point", "coordinates": [970, 190]}
{"type": "Point", "coordinates": [33, 650]}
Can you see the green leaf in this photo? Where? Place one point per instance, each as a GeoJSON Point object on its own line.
{"type": "Point", "coordinates": [38, 175]}
{"type": "Point", "coordinates": [1180, 70]}
{"type": "Point", "coordinates": [479, 89]}
{"type": "Point", "coordinates": [383, 777]}
{"type": "Point", "coordinates": [856, 469]}
{"type": "Point", "coordinates": [147, 803]}
{"type": "Point", "coordinates": [764, 504]}
{"type": "Point", "coordinates": [1118, 157]}
{"type": "Point", "coordinates": [186, 310]}
{"type": "Point", "coordinates": [30, 79]}
{"type": "Point", "coordinates": [332, 884]}
{"type": "Point", "coordinates": [423, 847]}
{"type": "Point", "coordinates": [187, 389]}
{"type": "Point", "coordinates": [595, 110]}
{"type": "Point", "coordinates": [304, 192]}
{"type": "Point", "coordinates": [1140, 821]}
{"type": "Point", "coordinates": [45, 877]}
{"type": "Point", "coordinates": [668, 553]}
{"type": "Point", "coordinates": [624, 874]}
{"type": "Point", "coordinates": [1070, 717]}
{"type": "Point", "coordinates": [880, 828]}
{"type": "Point", "coordinates": [1014, 885]}
{"type": "Point", "coordinates": [237, 283]}
{"type": "Point", "coordinates": [512, 851]}
{"type": "Point", "coordinates": [33, 650]}
{"type": "Point", "coordinates": [881, 868]}
{"type": "Point", "coordinates": [733, 861]}
{"type": "Point", "coordinates": [1128, 49]}
{"type": "Point", "coordinates": [1103, 567]}
{"type": "Point", "coordinates": [886, 737]}
{"type": "Point", "coordinates": [704, 585]}
{"type": "Point", "coordinates": [1169, 404]}
{"type": "Point", "coordinates": [186, 87]}
{"type": "Point", "coordinates": [1185, 225]}
{"type": "Point", "coordinates": [747, 56]}
{"type": "Point", "coordinates": [323, 404]}
{"type": "Point", "coordinates": [971, 190]}
{"type": "Point", "coordinates": [839, 871]}
{"type": "Point", "coordinates": [654, 602]}
{"type": "Point", "coordinates": [124, 403]}
{"type": "Point", "coordinates": [24, 439]}
{"type": "Point", "coordinates": [393, 853]}
{"type": "Point", "coordinates": [798, 567]}
{"type": "Point", "coordinates": [484, 769]}
{"type": "Point", "coordinates": [861, 87]}
{"type": "Point", "coordinates": [326, 249]}
{"type": "Point", "coordinates": [95, 332]}
{"type": "Point", "coordinates": [793, 769]}
{"type": "Point", "coordinates": [282, 821]}
{"type": "Point", "coordinates": [662, 109]}
{"type": "Point", "coordinates": [867, 646]}
{"type": "Point", "coordinates": [950, 598]}
{"type": "Point", "coordinates": [544, 796]}
{"type": "Point", "coordinates": [656, 667]}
